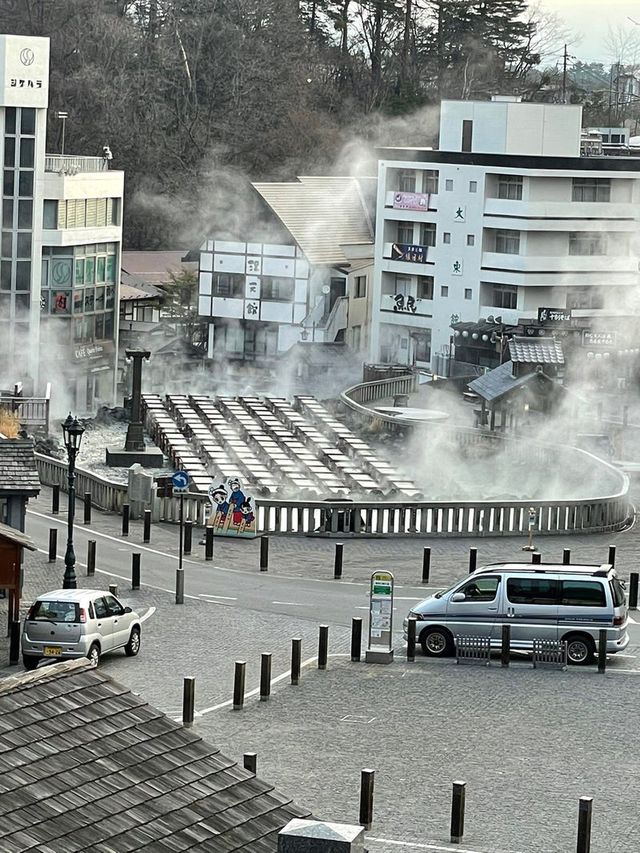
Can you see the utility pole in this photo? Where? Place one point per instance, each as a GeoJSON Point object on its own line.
{"type": "Point", "coordinates": [564, 75]}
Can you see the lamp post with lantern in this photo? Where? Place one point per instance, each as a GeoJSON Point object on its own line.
{"type": "Point", "coordinates": [72, 431]}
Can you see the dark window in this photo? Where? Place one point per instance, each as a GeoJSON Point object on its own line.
{"type": "Point", "coordinates": [101, 608]}
{"type": "Point", "coordinates": [504, 296]}
{"type": "Point", "coordinates": [532, 591]}
{"type": "Point", "coordinates": [444, 291]}
{"type": "Point", "coordinates": [5, 275]}
{"type": "Point", "coordinates": [114, 607]}
{"type": "Point", "coordinates": [277, 289]}
{"type": "Point", "coordinates": [468, 293]}
{"type": "Point", "coordinates": [27, 152]}
{"type": "Point", "coordinates": [10, 119]}
{"type": "Point", "coordinates": [425, 287]}
{"type": "Point", "coordinates": [361, 286]}
{"type": "Point", "coordinates": [25, 213]}
{"type": "Point", "coordinates": [407, 181]}
{"type": "Point", "coordinates": [587, 243]}
{"type": "Point", "coordinates": [50, 214]}
{"type": "Point", "coordinates": [585, 297]}
{"type": "Point", "coordinates": [89, 299]}
{"type": "Point", "coordinates": [55, 611]}
{"type": "Point", "coordinates": [481, 589]}
{"type": "Point", "coordinates": [23, 275]}
{"type": "Point", "coordinates": [23, 302]}
{"type": "Point", "coordinates": [9, 151]}
{"type": "Point", "coordinates": [405, 233]}
{"type": "Point", "coordinates": [7, 213]}
{"type": "Point", "coordinates": [510, 187]}
{"type": "Point", "coordinates": [617, 592]}
{"type": "Point", "coordinates": [583, 594]}
{"type": "Point", "coordinates": [7, 244]}
{"type": "Point", "coordinates": [24, 246]}
{"type": "Point", "coordinates": [467, 135]}
{"type": "Point", "coordinates": [430, 181]}
{"type": "Point", "coordinates": [9, 182]}
{"type": "Point", "coordinates": [224, 284]}
{"type": "Point", "coordinates": [28, 121]}
{"type": "Point", "coordinates": [99, 326]}
{"type": "Point", "coordinates": [428, 234]}
{"type": "Point", "coordinates": [508, 242]}
{"type": "Point", "coordinates": [25, 183]}
{"type": "Point", "coordinates": [591, 189]}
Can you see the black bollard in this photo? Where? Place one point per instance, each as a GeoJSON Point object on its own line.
{"type": "Point", "coordinates": [296, 660]}
{"type": "Point", "coordinates": [14, 643]}
{"type": "Point", "coordinates": [264, 554]}
{"type": "Point", "coordinates": [356, 638]}
{"type": "Point", "coordinates": [113, 589]}
{"type": "Point", "coordinates": [91, 558]}
{"type": "Point", "coordinates": [146, 535]}
{"type": "Point", "coordinates": [323, 646]}
{"type": "Point", "coordinates": [188, 700]}
{"type": "Point", "coordinates": [250, 762]}
{"type": "Point", "coordinates": [53, 544]}
{"type": "Point", "coordinates": [179, 586]}
{"type": "Point", "coordinates": [208, 543]}
{"type": "Point", "coordinates": [536, 558]}
{"type": "Point", "coordinates": [612, 555]}
{"type": "Point", "coordinates": [238, 684]}
{"type": "Point", "coordinates": [633, 591]}
{"type": "Point", "coordinates": [426, 564]}
{"type": "Point", "coordinates": [125, 519]}
{"type": "Point", "coordinates": [457, 812]}
{"type": "Point", "coordinates": [411, 639]}
{"type": "Point", "coordinates": [87, 507]}
{"type": "Point", "coordinates": [265, 676]}
{"type": "Point", "coordinates": [566, 557]}
{"type": "Point", "coordinates": [337, 562]}
{"type": "Point", "coordinates": [366, 798]}
{"type": "Point", "coordinates": [55, 500]}
{"type": "Point", "coordinates": [188, 537]}
{"type": "Point", "coordinates": [585, 806]}
{"type": "Point", "coordinates": [473, 560]}
{"type": "Point", "coordinates": [135, 571]}
{"type": "Point", "coordinates": [505, 646]}
{"type": "Point", "coordinates": [602, 650]}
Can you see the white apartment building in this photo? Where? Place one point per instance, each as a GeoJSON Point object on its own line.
{"type": "Point", "coordinates": [61, 235]}
{"type": "Point", "coordinates": [504, 218]}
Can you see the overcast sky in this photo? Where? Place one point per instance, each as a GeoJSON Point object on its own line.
{"type": "Point", "coordinates": [592, 19]}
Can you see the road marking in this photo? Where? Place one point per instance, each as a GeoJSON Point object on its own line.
{"type": "Point", "coordinates": [292, 603]}
{"type": "Point", "coordinates": [417, 846]}
{"type": "Point", "coordinates": [633, 621]}
{"type": "Point", "coordinates": [406, 598]}
{"type": "Point", "coordinates": [211, 595]}
{"type": "Point", "coordinates": [148, 614]}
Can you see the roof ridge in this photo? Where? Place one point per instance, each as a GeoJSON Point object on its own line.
{"type": "Point", "coordinates": [25, 679]}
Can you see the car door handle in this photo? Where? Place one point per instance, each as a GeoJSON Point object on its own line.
{"type": "Point", "coordinates": [492, 608]}
{"type": "Point", "coordinates": [99, 624]}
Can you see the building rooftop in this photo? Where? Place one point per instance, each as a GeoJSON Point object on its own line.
{"type": "Point", "coordinates": [17, 537]}
{"type": "Point", "coordinates": [18, 472]}
{"type": "Point", "coordinates": [536, 351]}
{"type": "Point", "coordinates": [155, 267]}
{"type": "Point", "coordinates": [89, 766]}
{"type": "Point", "coordinates": [132, 287]}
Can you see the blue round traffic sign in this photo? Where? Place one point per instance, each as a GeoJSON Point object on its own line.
{"type": "Point", "coordinates": [180, 480]}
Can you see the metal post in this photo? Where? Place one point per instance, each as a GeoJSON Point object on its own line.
{"type": "Point", "coordinates": [208, 543]}
{"type": "Point", "coordinates": [265, 676]}
{"type": "Point", "coordinates": [602, 649]}
{"type": "Point", "coordinates": [612, 555]}
{"type": "Point", "coordinates": [367, 778]}
{"type": "Point", "coordinates": [505, 646]}
{"type": "Point", "coordinates": [356, 638]}
{"type": "Point", "coordinates": [633, 590]}
{"type": "Point", "coordinates": [250, 762]}
{"type": "Point", "coordinates": [426, 564]}
{"type": "Point", "coordinates": [296, 659]}
{"type": "Point", "coordinates": [125, 519]}
{"type": "Point", "coordinates": [323, 646]}
{"type": "Point", "coordinates": [113, 589]}
{"type": "Point", "coordinates": [188, 537]}
{"type": "Point", "coordinates": [146, 536]}
{"type": "Point", "coordinates": [70, 581]}
{"type": "Point", "coordinates": [264, 554]}
{"type": "Point", "coordinates": [238, 684]}
{"type": "Point", "coordinates": [337, 562]}
{"type": "Point", "coordinates": [585, 807]}
{"type": "Point", "coordinates": [566, 557]}
{"type": "Point", "coordinates": [87, 507]}
{"type": "Point", "coordinates": [135, 571]}
{"type": "Point", "coordinates": [188, 700]}
{"type": "Point", "coordinates": [411, 639]}
{"type": "Point", "coordinates": [536, 558]}
{"type": "Point", "coordinates": [457, 812]}
{"type": "Point", "coordinates": [179, 586]}
{"type": "Point", "coordinates": [91, 558]}
{"type": "Point", "coordinates": [53, 544]}
{"type": "Point", "coordinates": [55, 500]}
{"type": "Point", "coordinates": [180, 544]}
{"type": "Point", "coordinates": [14, 642]}
{"type": "Point", "coordinates": [473, 560]}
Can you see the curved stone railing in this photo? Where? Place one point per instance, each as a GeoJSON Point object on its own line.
{"type": "Point", "coordinates": [380, 389]}
{"type": "Point", "coordinates": [104, 493]}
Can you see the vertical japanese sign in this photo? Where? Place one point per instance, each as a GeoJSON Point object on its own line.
{"type": "Point", "coordinates": [381, 611]}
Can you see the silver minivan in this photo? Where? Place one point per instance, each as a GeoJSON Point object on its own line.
{"type": "Point", "coordinates": [544, 601]}
{"type": "Point", "coordinates": [77, 623]}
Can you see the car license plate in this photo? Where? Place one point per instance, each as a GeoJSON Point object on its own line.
{"type": "Point", "coordinates": [52, 651]}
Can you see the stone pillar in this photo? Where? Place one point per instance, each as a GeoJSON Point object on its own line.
{"type": "Point", "coordinates": [135, 435]}
{"type": "Point", "coordinates": [319, 836]}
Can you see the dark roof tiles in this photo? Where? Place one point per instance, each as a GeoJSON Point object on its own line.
{"type": "Point", "coordinates": [536, 351]}
{"type": "Point", "coordinates": [18, 472]}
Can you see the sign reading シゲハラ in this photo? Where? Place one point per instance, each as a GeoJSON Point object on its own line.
{"type": "Point", "coordinates": [24, 71]}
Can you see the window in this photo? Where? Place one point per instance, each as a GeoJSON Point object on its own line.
{"type": "Point", "coordinates": [25, 213]}
{"type": "Point", "coordinates": [23, 275]}
{"type": "Point", "coordinates": [405, 233]}
{"type": "Point", "coordinates": [471, 239]}
{"type": "Point", "coordinates": [428, 234]}
{"type": "Point", "coordinates": [430, 181]}
{"type": "Point", "coordinates": [585, 297]}
{"type": "Point", "coordinates": [446, 237]}
{"type": "Point", "coordinates": [28, 121]}
{"type": "Point", "coordinates": [467, 135]}
{"type": "Point", "coordinates": [508, 242]}
{"type": "Point", "coordinates": [101, 608]}
{"type": "Point", "coordinates": [23, 245]}
{"type": "Point", "coordinates": [444, 291]}
{"type": "Point", "coordinates": [277, 289]}
{"type": "Point", "coordinates": [510, 187]}
{"type": "Point", "coordinates": [473, 186]}
{"type": "Point", "coordinates": [402, 284]}
{"type": "Point", "coordinates": [587, 243]}
{"type": "Point", "coordinates": [9, 152]}
{"type": "Point", "coordinates": [360, 287]}
{"type": "Point", "coordinates": [468, 293]}
{"type": "Point", "coordinates": [532, 591]}
{"type": "Point", "coordinates": [448, 185]}
{"type": "Point", "coordinates": [591, 189]}
{"type": "Point", "coordinates": [56, 611]}
{"type": "Point", "coordinates": [407, 181]}
{"type": "Point", "coordinates": [480, 589]}
{"type": "Point", "coordinates": [425, 287]}
{"type": "Point", "coordinates": [25, 183]}
{"type": "Point", "coordinates": [27, 152]}
{"type": "Point", "coordinates": [582, 594]}
{"type": "Point", "coordinates": [504, 296]}
{"type": "Point", "coordinates": [7, 213]}
{"type": "Point", "coordinates": [6, 244]}
{"type": "Point", "coordinates": [10, 119]}
{"type": "Point", "coordinates": [617, 592]}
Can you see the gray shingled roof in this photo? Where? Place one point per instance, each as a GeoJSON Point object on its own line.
{"type": "Point", "coordinates": [18, 472]}
{"type": "Point", "coordinates": [17, 536]}
{"type": "Point", "coordinates": [89, 766]}
{"type": "Point", "coordinates": [499, 382]}
{"type": "Point", "coordinates": [536, 351]}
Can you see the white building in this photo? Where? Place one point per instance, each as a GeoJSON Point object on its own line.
{"type": "Point", "coordinates": [60, 245]}
{"type": "Point", "coordinates": [504, 218]}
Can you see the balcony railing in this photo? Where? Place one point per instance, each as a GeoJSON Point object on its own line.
{"type": "Point", "coordinates": [66, 164]}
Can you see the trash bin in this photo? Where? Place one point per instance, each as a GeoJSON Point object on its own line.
{"type": "Point", "coordinates": [400, 400]}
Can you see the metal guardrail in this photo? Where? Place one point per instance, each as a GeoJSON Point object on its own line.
{"type": "Point", "coordinates": [67, 164]}
{"type": "Point", "coordinates": [473, 650]}
{"type": "Point", "coordinates": [551, 653]}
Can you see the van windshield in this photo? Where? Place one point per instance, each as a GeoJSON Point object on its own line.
{"type": "Point", "coordinates": [617, 592]}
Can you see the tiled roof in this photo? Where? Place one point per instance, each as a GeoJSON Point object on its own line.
{"type": "Point", "coordinates": [500, 381]}
{"type": "Point", "coordinates": [133, 287]}
{"type": "Point", "coordinates": [321, 214]}
{"type": "Point", "coordinates": [88, 766]}
{"type": "Point", "coordinates": [536, 351]}
{"type": "Point", "coordinates": [18, 472]}
{"type": "Point", "coordinates": [17, 536]}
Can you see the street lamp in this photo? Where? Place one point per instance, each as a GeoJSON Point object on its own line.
{"type": "Point", "coordinates": [72, 431]}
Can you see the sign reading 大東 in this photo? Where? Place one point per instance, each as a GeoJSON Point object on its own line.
{"type": "Point", "coordinates": [24, 71]}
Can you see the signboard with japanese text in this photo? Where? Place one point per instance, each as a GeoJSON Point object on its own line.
{"type": "Point", "coordinates": [409, 252]}
{"type": "Point", "coordinates": [411, 201]}
{"type": "Point", "coordinates": [24, 71]}
{"type": "Point", "coordinates": [554, 316]}
{"type": "Point", "coordinates": [381, 611]}
{"type": "Point", "coordinates": [599, 339]}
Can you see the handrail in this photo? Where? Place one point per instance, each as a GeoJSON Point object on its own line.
{"type": "Point", "coordinates": [105, 494]}
{"type": "Point", "coordinates": [380, 389]}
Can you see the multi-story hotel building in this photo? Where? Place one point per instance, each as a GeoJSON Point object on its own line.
{"type": "Point", "coordinates": [505, 217]}
{"type": "Point", "coordinates": [61, 235]}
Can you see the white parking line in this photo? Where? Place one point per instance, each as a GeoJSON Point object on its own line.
{"type": "Point", "coordinates": [148, 614]}
{"type": "Point", "coordinates": [293, 603]}
{"type": "Point", "coordinates": [223, 597]}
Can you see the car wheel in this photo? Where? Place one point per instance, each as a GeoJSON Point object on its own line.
{"type": "Point", "coordinates": [133, 646]}
{"type": "Point", "coordinates": [580, 649]}
{"type": "Point", "coordinates": [30, 661]}
{"type": "Point", "coordinates": [436, 642]}
{"type": "Point", "coordinates": [94, 654]}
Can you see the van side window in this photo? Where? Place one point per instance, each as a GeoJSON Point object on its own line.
{"type": "Point", "coordinates": [532, 591]}
{"type": "Point", "coordinates": [481, 589]}
{"type": "Point", "coordinates": [583, 594]}
{"type": "Point", "coordinates": [617, 592]}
